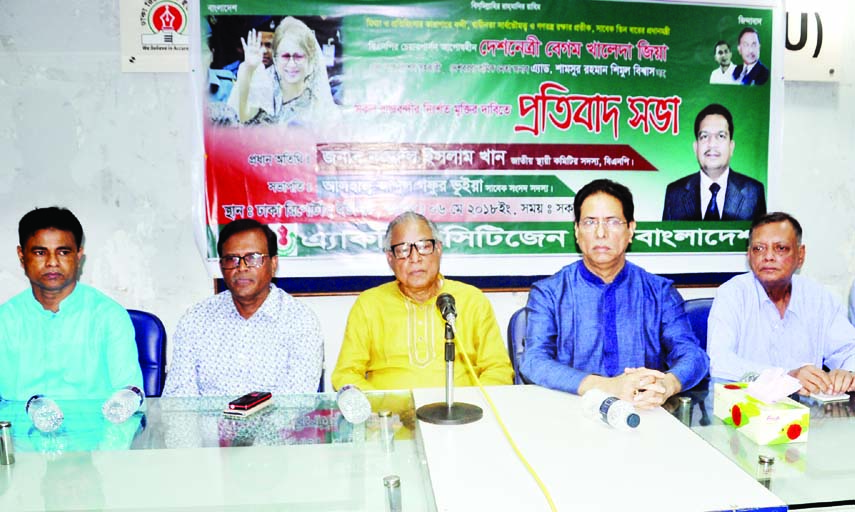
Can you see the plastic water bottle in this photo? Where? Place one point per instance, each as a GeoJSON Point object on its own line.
{"type": "Point", "coordinates": [122, 404]}
{"type": "Point", "coordinates": [618, 413]}
{"type": "Point", "coordinates": [353, 404]}
{"type": "Point", "coordinates": [45, 414]}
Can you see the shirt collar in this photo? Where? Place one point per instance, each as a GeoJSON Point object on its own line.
{"type": "Point", "coordinates": [596, 280]}
{"type": "Point", "coordinates": [793, 306]}
{"type": "Point", "coordinates": [68, 305]}
{"type": "Point", "coordinates": [706, 181]}
{"type": "Point", "coordinates": [439, 290]}
{"type": "Point", "coordinates": [268, 308]}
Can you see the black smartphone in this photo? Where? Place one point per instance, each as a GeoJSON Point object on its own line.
{"type": "Point", "coordinates": [250, 400]}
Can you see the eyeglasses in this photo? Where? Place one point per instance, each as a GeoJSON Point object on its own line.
{"type": "Point", "coordinates": [423, 247]}
{"type": "Point", "coordinates": [610, 224]}
{"type": "Point", "coordinates": [778, 249]}
{"type": "Point", "coordinates": [252, 260]}
{"type": "Point", "coordinates": [298, 57]}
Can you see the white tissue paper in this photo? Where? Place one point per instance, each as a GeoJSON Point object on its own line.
{"type": "Point", "coordinates": [772, 385]}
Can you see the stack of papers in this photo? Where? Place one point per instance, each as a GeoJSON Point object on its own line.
{"type": "Point", "coordinates": [825, 397]}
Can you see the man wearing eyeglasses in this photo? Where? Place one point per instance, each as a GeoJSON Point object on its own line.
{"type": "Point", "coordinates": [772, 318]}
{"type": "Point", "coordinates": [716, 192]}
{"type": "Point", "coordinates": [253, 336]}
{"type": "Point", "coordinates": [395, 334]}
{"type": "Point", "coordinates": [605, 323]}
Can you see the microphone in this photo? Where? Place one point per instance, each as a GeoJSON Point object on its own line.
{"type": "Point", "coordinates": [447, 308]}
{"type": "Point", "coordinates": [448, 412]}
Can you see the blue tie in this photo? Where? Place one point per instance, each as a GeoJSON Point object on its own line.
{"type": "Point", "coordinates": [712, 208]}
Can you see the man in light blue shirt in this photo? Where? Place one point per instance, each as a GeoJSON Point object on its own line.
{"type": "Point", "coordinates": [605, 323]}
{"type": "Point", "coordinates": [61, 338]}
{"type": "Point", "coordinates": [770, 317]}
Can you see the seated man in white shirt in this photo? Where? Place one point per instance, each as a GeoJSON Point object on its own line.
{"type": "Point", "coordinates": [773, 318]}
{"type": "Point", "coordinates": [251, 337]}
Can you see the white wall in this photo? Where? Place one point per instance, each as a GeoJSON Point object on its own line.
{"type": "Point", "coordinates": [114, 148]}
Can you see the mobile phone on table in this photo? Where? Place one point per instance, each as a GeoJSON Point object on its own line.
{"type": "Point", "coordinates": [249, 400]}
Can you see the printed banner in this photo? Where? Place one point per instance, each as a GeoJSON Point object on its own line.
{"type": "Point", "coordinates": [327, 119]}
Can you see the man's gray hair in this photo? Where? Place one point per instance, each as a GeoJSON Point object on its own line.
{"type": "Point", "coordinates": [409, 216]}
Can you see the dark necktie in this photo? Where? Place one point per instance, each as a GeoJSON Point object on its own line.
{"type": "Point", "coordinates": [712, 208]}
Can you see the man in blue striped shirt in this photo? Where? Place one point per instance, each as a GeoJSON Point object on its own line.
{"type": "Point", "coordinates": [605, 323]}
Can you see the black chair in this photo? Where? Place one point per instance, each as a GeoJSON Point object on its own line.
{"type": "Point", "coordinates": [151, 345]}
{"type": "Point", "coordinates": [516, 341]}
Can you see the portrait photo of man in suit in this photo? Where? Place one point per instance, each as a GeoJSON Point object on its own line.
{"type": "Point", "coordinates": [751, 71]}
{"type": "Point", "coordinates": [716, 192]}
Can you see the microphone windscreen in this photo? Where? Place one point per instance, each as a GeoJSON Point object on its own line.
{"type": "Point", "coordinates": [445, 303]}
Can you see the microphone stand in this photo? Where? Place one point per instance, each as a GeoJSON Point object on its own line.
{"type": "Point", "coordinates": [448, 412]}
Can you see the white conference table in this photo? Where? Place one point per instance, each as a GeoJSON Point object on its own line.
{"type": "Point", "coordinates": [183, 455]}
{"type": "Point", "coordinates": [585, 465]}
{"type": "Point", "coordinates": [819, 473]}
{"type": "Point", "coordinates": [187, 456]}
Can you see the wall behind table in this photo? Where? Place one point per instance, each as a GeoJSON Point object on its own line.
{"type": "Point", "coordinates": [110, 146]}
{"type": "Point", "coordinates": [115, 148]}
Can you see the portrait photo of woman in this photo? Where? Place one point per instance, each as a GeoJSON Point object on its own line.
{"type": "Point", "coordinates": [294, 90]}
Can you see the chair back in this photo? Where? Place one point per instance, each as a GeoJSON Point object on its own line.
{"type": "Point", "coordinates": [151, 345]}
{"type": "Point", "coordinates": [698, 311]}
{"type": "Point", "coordinates": [516, 341]}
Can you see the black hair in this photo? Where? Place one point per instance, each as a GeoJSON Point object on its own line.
{"type": "Point", "coordinates": [604, 186]}
{"type": "Point", "coordinates": [714, 109]}
{"type": "Point", "coordinates": [773, 217]}
{"type": "Point", "coordinates": [52, 217]}
{"type": "Point", "coordinates": [747, 30]}
{"type": "Point", "coordinates": [242, 225]}
{"type": "Point", "coordinates": [719, 43]}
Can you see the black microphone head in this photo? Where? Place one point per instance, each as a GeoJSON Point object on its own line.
{"type": "Point", "coordinates": [445, 303]}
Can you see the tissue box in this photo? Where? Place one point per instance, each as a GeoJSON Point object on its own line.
{"type": "Point", "coordinates": [785, 421]}
{"type": "Point", "coordinates": [790, 459]}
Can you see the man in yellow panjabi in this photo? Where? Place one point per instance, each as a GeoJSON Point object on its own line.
{"type": "Point", "coordinates": [395, 334]}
